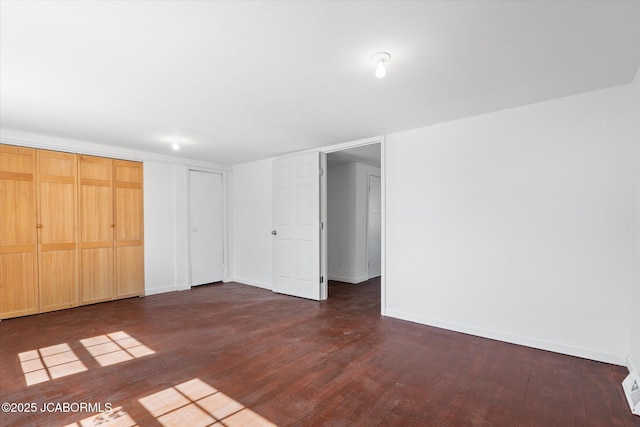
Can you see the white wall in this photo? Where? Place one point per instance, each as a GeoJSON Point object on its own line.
{"type": "Point", "coordinates": [635, 296]}
{"type": "Point", "coordinates": [160, 228]}
{"type": "Point", "coordinates": [347, 189]}
{"type": "Point", "coordinates": [341, 222]}
{"type": "Point", "coordinates": [169, 191]}
{"type": "Point", "coordinates": [166, 225]}
{"type": "Point", "coordinates": [165, 204]}
{"type": "Point", "coordinates": [252, 224]}
{"type": "Point", "coordinates": [181, 211]}
{"type": "Point", "coordinates": [519, 225]}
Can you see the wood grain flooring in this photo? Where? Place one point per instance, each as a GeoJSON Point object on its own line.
{"type": "Point", "coordinates": [237, 355]}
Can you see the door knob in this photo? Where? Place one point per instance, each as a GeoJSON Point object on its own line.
{"type": "Point", "coordinates": [274, 232]}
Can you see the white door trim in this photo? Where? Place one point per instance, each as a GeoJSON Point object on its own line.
{"type": "Point", "coordinates": [369, 175]}
{"type": "Point", "coordinates": [383, 201]}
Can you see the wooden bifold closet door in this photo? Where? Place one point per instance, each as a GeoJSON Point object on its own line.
{"type": "Point", "coordinates": [111, 218]}
{"type": "Point", "coordinates": [57, 230]}
{"type": "Point", "coordinates": [71, 230]}
{"type": "Point", "coordinates": [96, 229]}
{"type": "Point", "coordinates": [128, 242]}
{"type": "Point", "coordinates": [18, 237]}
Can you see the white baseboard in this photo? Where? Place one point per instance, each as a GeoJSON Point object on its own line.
{"type": "Point", "coordinates": [184, 287]}
{"type": "Point", "coordinates": [353, 280]}
{"type": "Point", "coordinates": [255, 283]}
{"type": "Point", "coordinates": [161, 290]}
{"type": "Point", "coordinates": [600, 356]}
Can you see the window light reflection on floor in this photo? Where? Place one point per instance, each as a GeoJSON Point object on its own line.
{"type": "Point", "coordinates": [117, 417]}
{"type": "Point", "coordinates": [196, 403]}
{"type": "Point", "coordinates": [49, 363]}
{"type": "Point", "coordinates": [115, 348]}
{"type": "Point", "coordinates": [60, 360]}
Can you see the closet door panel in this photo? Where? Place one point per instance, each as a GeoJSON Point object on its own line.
{"type": "Point", "coordinates": [96, 214]}
{"type": "Point", "coordinates": [19, 290]}
{"type": "Point", "coordinates": [129, 271]}
{"type": "Point", "coordinates": [96, 229]}
{"type": "Point", "coordinates": [97, 274]}
{"type": "Point", "coordinates": [18, 237]}
{"type": "Point", "coordinates": [128, 243]}
{"type": "Point", "coordinates": [58, 279]}
{"type": "Point", "coordinates": [57, 211]}
{"type": "Point", "coordinates": [57, 218]}
{"type": "Point", "coordinates": [129, 215]}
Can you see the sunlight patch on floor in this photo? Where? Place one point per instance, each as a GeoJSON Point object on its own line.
{"type": "Point", "coordinates": [196, 403]}
{"type": "Point", "coordinates": [115, 348]}
{"type": "Point", "coordinates": [59, 360]}
{"type": "Point", "coordinates": [48, 363]}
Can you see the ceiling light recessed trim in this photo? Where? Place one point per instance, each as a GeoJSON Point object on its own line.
{"type": "Point", "coordinates": [380, 58]}
{"type": "Point", "coordinates": [175, 143]}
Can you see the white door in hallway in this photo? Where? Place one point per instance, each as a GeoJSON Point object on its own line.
{"type": "Point", "coordinates": [374, 225]}
{"type": "Point", "coordinates": [296, 225]}
{"type": "Point", "coordinates": [206, 235]}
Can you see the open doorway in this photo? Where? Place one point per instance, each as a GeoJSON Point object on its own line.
{"type": "Point", "coordinates": [353, 204]}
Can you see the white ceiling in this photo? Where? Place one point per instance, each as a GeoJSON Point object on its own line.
{"type": "Point", "coordinates": [240, 81]}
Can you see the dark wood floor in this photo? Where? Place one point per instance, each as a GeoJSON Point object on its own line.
{"type": "Point", "coordinates": [296, 362]}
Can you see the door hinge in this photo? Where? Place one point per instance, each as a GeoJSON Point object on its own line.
{"type": "Point", "coordinates": [321, 279]}
{"type": "Point", "coordinates": [322, 226]}
{"type": "Point", "coordinates": [321, 171]}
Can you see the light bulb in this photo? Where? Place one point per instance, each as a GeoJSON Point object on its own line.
{"type": "Point", "coordinates": [175, 146]}
{"type": "Point", "coordinates": [380, 70]}
{"type": "Point", "coordinates": [380, 58]}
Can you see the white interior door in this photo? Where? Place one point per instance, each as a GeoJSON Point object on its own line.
{"type": "Point", "coordinates": [374, 226]}
{"type": "Point", "coordinates": [296, 225]}
{"type": "Point", "coordinates": [206, 235]}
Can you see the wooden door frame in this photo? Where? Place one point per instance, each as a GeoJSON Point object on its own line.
{"type": "Point", "coordinates": [323, 213]}
{"type": "Point", "coordinates": [225, 215]}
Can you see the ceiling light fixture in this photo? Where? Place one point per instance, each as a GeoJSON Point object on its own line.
{"type": "Point", "coordinates": [175, 143]}
{"type": "Point", "coordinates": [380, 58]}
